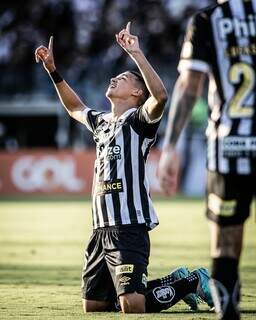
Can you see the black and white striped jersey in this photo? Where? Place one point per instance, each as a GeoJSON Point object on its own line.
{"type": "Point", "coordinates": [221, 41]}
{"type": "Point", "coordinates": [120, 194]}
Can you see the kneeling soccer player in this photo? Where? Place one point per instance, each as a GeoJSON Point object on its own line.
{"type": "Point", "coordinates": [118, 251]}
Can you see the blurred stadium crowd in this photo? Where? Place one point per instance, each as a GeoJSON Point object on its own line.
{"type": "Point", "coordinates": [86, 55]}
{"type": "Point", "coordinates": [84, 35]}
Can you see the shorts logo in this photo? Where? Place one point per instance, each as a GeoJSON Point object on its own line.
{"type": "Point", "coordinates": [164, 294]}
{"type": "Point", "coordinates": [124, 281]}
{"type": "Point", "coordinates": [220, 207]}
{"type": "Point", "coordinates": [124, 268]}
{"type": "Point", "coordinates": [144, 280]}
{"type": "Point", "coordinates": [113, 186]}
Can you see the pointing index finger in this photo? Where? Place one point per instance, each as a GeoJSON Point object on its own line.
{"type": "Point", "coordinates": [50, 46]}
{"type": "Point", "coordinates": [128, 26]}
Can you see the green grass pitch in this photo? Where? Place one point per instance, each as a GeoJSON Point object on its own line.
{"type": "Point", "coordinates": [41, 256]}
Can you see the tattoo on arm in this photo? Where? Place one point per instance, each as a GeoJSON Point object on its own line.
{"type": "Point", "coordinates": [188, 88]}
{"type": "Point", "coordinates": [180, 112]}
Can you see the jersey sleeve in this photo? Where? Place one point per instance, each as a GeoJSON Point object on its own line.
{"type": "Point", "coordinates": [195, 53]}
{"type": "Point", "coordinates": [90, 118]}
{"type": "Point", "coordinates": [142, 124]}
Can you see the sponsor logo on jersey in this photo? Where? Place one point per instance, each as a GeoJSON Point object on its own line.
{"type": "Point", "coordinates": [103, 128]}
{"type": "Point", "coordinates": [109, 186]}
{"type": "Point", "coordinates": [164, 294]}
{"type": "Point", "coordinates": [221, 207]}
{"type": "Point", "coordinates": [235, 51]}
{"type": "Point", "coordinates": [110, 152]}
{"type": "Point", "coordinates": [239, 147]}
{"type": "Point", "coordinates": [124, 281]}
{"type": "Point", "coordinates": [124, 268]}
{"type": "Point", "coordinates": [113, 152]}
{"type": "Point", "coordinates": [242, 28]}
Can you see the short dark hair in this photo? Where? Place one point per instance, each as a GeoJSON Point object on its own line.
{"type": "Point", "coordinates": [143, 86]}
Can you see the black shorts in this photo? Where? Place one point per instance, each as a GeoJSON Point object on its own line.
{"type": "Point", "coordinates": [229, 197]}
{"type": "Point", "coordinates": [117, 260]}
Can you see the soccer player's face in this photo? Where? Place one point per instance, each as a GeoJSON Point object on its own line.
{"type": "Point", "coordinates": [121, 86]}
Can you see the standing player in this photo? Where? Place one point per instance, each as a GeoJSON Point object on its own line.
{"type": "Point", "coordinates": [220, 43]}
{"type": "Point", "coordinates": [122, 209]}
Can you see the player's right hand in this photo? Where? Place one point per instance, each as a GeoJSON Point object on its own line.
{"type": "Point", "coordinates": [168, 171]}
{"type": "Point", "coordinates": [127, 41]}
{"type": "Point", "coordinates": [46, 56]}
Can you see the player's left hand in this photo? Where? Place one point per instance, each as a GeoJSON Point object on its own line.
{"type": "Point", "coordinates": [127, 41]}
{"type": "Point", "coordinates": [168, 171]}
{"type": "Point", "coordinates": [45, 55]}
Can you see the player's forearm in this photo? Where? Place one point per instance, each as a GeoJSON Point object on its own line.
{"type": "Point", "coordinates": [69, 99]}
{"type": "Point", "coordinates": [153, 82]}
{"type": "Point", "coordinates": [188, 88]}
{"type": "Point", "coordinates": [182, 103]}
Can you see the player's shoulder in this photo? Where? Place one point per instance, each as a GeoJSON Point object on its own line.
{"type": "Point", "coordinates": [96, 118]}
{"type": "Point", "coordinates": [204, 14]}
{"type": "Point", "coordinates": [135, 113]}
{"type": "Point", "coordinates": [106, 116]}
{"type": "Point", "coordinates": [130, 114]}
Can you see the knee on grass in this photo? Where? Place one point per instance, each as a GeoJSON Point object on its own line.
{"type": "Point", "coordinates": [132, 303]}
{"type": "Point", "coordinates": [94, 306]}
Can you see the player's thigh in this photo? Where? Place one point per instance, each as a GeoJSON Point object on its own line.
{"type": "Point", "coordinates": [97, 284]}
{"type": "Point", "coordinates": [127, 252]}
{"type": "Point", "coordinates": [228, 198]}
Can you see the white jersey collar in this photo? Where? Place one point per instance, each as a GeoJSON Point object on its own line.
{"type": "Point", "coordinates": [108, 116]}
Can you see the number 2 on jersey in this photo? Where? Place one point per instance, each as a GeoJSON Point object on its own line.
{"type": "Point", "coordinates": [237, 108]}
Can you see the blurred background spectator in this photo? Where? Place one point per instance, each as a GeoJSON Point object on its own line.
{"type": "Point", "coordinates": [87, 56]}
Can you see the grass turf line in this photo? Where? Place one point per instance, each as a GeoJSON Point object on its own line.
{"type": "Point", "coordinates": [41, 256]}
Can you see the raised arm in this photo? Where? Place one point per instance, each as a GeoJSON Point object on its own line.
{"type": "Point", "coordinates": [68, 97]}
{"type": "Point", "coordinates": [188, 88]}
{"type": "Point", "coordinates": [158, 94]}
